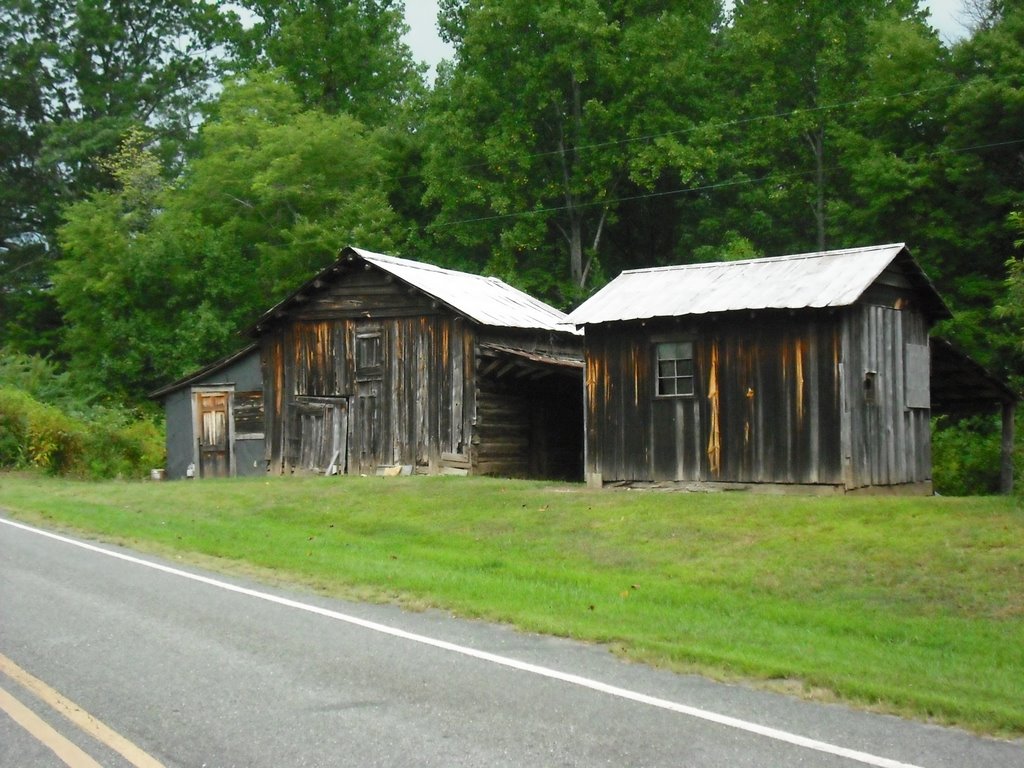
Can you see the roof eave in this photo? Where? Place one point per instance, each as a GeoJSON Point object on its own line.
{"type": "Point", "coordinates": [206, 370]}
{"type": "Point", "coordinates": [351, 254]}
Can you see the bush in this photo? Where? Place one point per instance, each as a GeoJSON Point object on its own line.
{"type": "Point", "coordinates": [122, 451]}
{"type": "Point", "coordinates": [40, 436]}
{"type": "Point", "coordinates": [13, 428]}
{"type": "Point", "coordinates": [36, 435]}
{"type": "Point", "coordinates": [967, 456]}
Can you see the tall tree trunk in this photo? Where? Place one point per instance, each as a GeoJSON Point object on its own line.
{"type": "Point", "coordinates": [576, 249]}
{"type": "Point", "coordinates": [817, 142]}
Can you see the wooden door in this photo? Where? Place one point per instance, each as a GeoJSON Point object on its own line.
{"type": "Point", "coordinates": [364, 453]}
{"type": "Point", "coordinates": [366, 439]}
{"type": "Point", "coordinates": [214, 438]}
{"type": "Point", "coordinates": [323, 436]}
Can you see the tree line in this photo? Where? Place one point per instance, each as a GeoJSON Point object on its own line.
{"type": "Point", "coordinates": [169, 169]}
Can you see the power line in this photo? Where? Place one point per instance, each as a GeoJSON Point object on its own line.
{"type": "Point", "coordinates": [722, 125]}
{"type": "Point", "coordinates": [702, 188]}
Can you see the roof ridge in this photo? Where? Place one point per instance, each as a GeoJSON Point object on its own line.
{"type": "Point", "coordinates": [427, 266]}
{"type": "Point", "coordinates": [765, 259]}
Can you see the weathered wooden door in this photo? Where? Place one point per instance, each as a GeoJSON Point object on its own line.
{"type": "Point", "coordinates": [365, 426]}
{"type": "Point", "coordinates": [323, 436]}
{"type": "Point", "coordinates": [364, 454]}
{"type": "Point", "coordinates": [214, 434]}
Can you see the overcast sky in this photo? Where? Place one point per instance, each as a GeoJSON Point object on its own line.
{"type": "Point", "coordinates": [421, 15]}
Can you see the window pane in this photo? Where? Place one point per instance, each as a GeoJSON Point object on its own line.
{"type": "Point", "coordinates": [675, 371]}
{"type": "Point", "coordinates": [368, 351]}
{"type": "Point", "coordinates": [681, 350]}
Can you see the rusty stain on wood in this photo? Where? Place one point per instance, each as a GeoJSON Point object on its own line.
{"type": "Point", "coordinates": [423, 396]}
{"type": "Point", "coordinates": [798, 356]}
{"type": "Point", "coordinates": [714, 436]}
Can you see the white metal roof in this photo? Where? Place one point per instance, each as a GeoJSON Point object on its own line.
{"type": "Point", "coordinates": [801, 281]}
{"type": "Point", "coordinates": [486, 300]}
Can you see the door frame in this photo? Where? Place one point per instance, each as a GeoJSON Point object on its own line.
{"type": "Point", "coordinates": [341, 425]}
{"type": "Point", "coordinates": [228, 390]}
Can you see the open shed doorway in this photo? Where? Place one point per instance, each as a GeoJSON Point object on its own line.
{"type": "Point", "coordinates": [529, 414]}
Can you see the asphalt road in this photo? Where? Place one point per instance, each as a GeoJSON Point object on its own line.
{"type": "Point", "coordinates": [168, 665]}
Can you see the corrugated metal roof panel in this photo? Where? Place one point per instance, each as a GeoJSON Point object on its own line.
{"type": "Point", "coordinates": [801, 281]}
{"type": "Point", "coordinates": [487, 300]}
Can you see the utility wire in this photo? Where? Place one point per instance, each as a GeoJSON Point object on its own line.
{"type": "Point", "coordinates": [724, 124]}
{"type": "Point", "coordinates": [774, 177]}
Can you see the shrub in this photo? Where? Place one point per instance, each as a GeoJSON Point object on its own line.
{"type": "Point", "coordinates": [122, 451]}
{"type": "Point", "coordinates": [37, 376]}
{"type": "Point", "coordinates": [36, 435]}
{"type": "Point", "coordinates": [967, 455]}
{"type": "Point", "coordinates": [13, 428]}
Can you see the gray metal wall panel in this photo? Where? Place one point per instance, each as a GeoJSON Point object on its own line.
{"type": "Point", "coordinates": [180, 433]}
{"type": "Point", "coordinates": [249, 458]}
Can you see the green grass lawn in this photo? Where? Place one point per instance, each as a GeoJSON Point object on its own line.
{"type": "Point", "coordinates": [907, 605]}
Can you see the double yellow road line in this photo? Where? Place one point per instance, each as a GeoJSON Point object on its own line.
{"type": "Point", "coordinates": [69, 753]}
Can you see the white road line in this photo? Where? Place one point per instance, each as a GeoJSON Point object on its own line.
{"type": "Point", "coordinates": [595, 685]}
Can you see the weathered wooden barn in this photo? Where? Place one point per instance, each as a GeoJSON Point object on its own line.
{"type": "Point", "coordinates": [215, 419]}
{"type": "Point", "coordinates": [806, 370]}
{"type": "Point", "coordinates": [385, 365]}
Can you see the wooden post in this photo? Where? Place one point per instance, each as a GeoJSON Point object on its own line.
{"type": "Point", "coordinates": [1006, 475]}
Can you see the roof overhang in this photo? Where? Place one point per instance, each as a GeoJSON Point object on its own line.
{"type": "Point", "coordinates": [821, 280]}
{"type": "Point", "coordinates": [202, 373]}
{"type": "Point", "coordinates": [500, 361]}
{"type": "Point", "coordinates": [486, 301]}
{"type": "Point", "coordinates": [961, 385]}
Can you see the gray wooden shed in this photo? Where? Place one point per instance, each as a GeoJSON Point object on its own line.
{"type": "Point", "coordinates": [380, 364]}
{"type": "Point", "coordinates": [805, 370]}
{"type": "Point", "coordinates": [215, 419]}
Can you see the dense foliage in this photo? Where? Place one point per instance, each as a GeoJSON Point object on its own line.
{"type": "Point", "coordinates": [170, 169]}
{"type": "Point", "coordinates": [46, 425]}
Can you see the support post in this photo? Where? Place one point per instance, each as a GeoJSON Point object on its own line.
{"type": "Point", "coordinates": [1006, 474]}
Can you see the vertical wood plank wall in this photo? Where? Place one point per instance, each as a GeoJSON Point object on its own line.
{"type": "Point", "coordinates": [424, 408]}
{"type": "Point", "coordinates": [430, 407]}
{"type": "Point", "coordinates": [790, 405]}
{"type": "Point", "coordinates": [777, 408]}
{"type": "Point", "coordinates": [889, 442]}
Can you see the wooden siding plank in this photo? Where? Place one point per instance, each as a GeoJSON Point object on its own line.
{"type": "Point", "coordinates": [815, 368]}
{"type": "Point", "coordinates": [904, 459]}
{"type": "Point", "coordinates": [791, 403]}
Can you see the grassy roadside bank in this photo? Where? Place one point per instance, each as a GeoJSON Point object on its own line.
{"type": "Point", "coordinates": [912, 606]}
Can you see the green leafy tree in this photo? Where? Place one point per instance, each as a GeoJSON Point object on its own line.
{"type": "Point", "coordinates": [75, 75]}
{"type": "Point", "coordinates": [984, 172]}
{"type": "Point", "coordinates": [549, 117]}
{"type": "Point", "coordinates": [792, 74]}
{"type": "Point", "coordinates": [159, 278]}
{"type": "Point", "coordinates": [339, 55]}
{"type": "Point", "coordinates": [888, 177]}
{"type": "Point", "coordinates": [1012, 307]}
{"type": "Point", "coordinates": [288, 185]}
{"type": "Point", "coordinates": [118, 300]}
